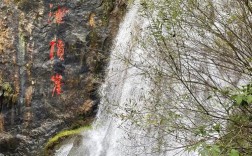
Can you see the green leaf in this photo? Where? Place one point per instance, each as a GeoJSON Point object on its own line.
{"type": "Point", "coordinates": [202, 130]}
{"type": "Point", "coordinates": [234, 152]}
{"type": "Point", "coordinates": [215, 150]}
{"type": "Point", "coordinates": [249, 99]}
{"type": "Point", "coordinates": [217, 127]}
{"type": "Point", "coordinates": [238, 99]}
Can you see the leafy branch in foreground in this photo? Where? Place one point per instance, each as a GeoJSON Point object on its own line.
{"type": "Point", "coordinates": [199, 57]}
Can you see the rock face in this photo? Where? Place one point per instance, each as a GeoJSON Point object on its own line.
{"type": "Point", "coordinates": [29, 114]}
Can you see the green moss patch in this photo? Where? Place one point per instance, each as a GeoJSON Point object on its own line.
{"type": "Point", "coordinates": [63, 134]}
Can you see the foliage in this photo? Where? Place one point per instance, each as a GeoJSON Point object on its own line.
{"type": "Point", "coordinates": [244, 97]}
{"type": "Point", "coordinates": [107, 7]}
{"type": "Point", "coordinates": [10, 97]}
{"type": "Point", "coordinates": [200, 56]}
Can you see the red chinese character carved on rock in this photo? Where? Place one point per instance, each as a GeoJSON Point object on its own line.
{"type": "Point", "coordinates": [60, 13]}
{"type": "Point", "coordinates": [60, 51]}
{"type": "Point", "coordinates": [57, 84]}
{"type": "Point", "coordinates": [58, 17]}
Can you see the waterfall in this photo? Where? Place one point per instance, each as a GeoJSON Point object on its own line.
{"type": "Point", "coordinates": [125, 90]}
{"type": "Point", "coordinates": [119, 85]}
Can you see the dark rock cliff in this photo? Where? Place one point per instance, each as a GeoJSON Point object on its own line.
{"type": "Point", "coordinates": [29, 114]}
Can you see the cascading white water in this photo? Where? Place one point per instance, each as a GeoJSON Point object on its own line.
{"type": "Point", "coordinates": [122, 83]}
{"type": "Point", "coordinates": [125, 90]}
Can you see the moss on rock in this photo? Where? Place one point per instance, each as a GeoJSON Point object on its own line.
{"type": "Point", "coordinates": [62, 135]}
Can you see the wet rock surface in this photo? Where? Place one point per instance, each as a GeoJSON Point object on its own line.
{"type": "Point", "coordinates": [30, 114]}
